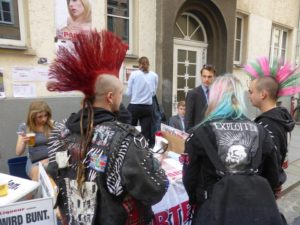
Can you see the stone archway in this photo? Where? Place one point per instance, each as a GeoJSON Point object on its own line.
{"type": "Point", "coordinates": [218, 19]}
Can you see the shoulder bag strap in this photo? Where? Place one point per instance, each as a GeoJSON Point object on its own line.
{"type": "Point", "coordinates": [212, 154]}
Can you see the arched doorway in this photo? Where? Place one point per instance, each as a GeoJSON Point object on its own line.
{"type": "Point", "coordinates": [190, 51]}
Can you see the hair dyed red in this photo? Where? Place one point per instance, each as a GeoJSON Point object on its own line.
{"type": "Point", "coordinates": [92, 54]}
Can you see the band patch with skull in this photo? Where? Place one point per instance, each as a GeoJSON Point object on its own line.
{"type": "Point", "coordinates": [237, 142]}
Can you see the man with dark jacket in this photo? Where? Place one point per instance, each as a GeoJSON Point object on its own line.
{"type": "Point", "coordinates": [103, 168]}
{"type": "Point", "coordinates": [227, 136]}
{"type": "Point", "coordinates": [196, 99]}
{"type": "Point", "coordinates": [177, 121]}
{"type": "Point", "coordinates": [277, 120]}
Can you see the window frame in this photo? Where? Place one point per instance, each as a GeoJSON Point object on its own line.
{"type": "Point", "coordinates": [130, 24]}
{"type": "Point", "coordinates": [281, 30]}
{"type": "Point", "coordinates": [242, 18]}
{"type": "Point", "coordinates": [17, 43]}
{"type": "Point", "coordinates": [11, 12]}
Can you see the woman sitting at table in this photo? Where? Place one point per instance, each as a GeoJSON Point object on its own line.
{"type": "Point", "coordinates": [38, 123]}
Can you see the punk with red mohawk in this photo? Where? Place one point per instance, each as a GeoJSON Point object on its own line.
{"type": "Point", "coordinates": [95, 160]}
{"type": "Point", "coordinates": [92, 54]}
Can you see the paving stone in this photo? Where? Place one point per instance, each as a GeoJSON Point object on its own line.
{"type": "Point", "coordinates": [289, 203]}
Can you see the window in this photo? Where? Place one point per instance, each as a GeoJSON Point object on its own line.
{"type": "Point", "coordinates": [189, 27]}
{"type": "Point", "coordinates": [278, 43]}
{"type": "Point", "coordinates": [12, 23]}
{"type": "Point", "coordinates": [118, 19]}
{"type": "Point", "coordinates": [6, 12]}
{"type": "Point", "coordinates": [238, 40]}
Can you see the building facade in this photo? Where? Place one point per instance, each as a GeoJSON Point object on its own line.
{"type": "Point", "coordinates": [178, 37]}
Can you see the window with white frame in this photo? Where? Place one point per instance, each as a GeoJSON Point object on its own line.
{"type": "Point", "coordinates": [119, 19]}
{"type": "Point", "coordinates": [6, 11]}
{"type": "Point", "coordinates": [278, 43]}
{"type": "Point", "coordinates": [12, 26]}
{"type": "Point", "coordinates": [238, 40]}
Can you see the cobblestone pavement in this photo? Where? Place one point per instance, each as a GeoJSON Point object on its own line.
{"type": "Point", "coordinates": [289, 205]}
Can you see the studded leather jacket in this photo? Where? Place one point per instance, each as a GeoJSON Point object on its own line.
{"type": "Point", "coordinates": [122, 178]}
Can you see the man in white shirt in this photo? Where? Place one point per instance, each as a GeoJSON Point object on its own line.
{"type": "Point", "coordinates": [142, 86]}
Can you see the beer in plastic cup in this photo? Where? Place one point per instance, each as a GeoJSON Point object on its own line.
{"type": "Point", "coordinates": [31, 141]}
{"type": "Point", "coordinates": [3, 187]}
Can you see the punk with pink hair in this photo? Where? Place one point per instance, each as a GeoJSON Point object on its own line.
{"type": "Point", "coordinates": [285, 74]}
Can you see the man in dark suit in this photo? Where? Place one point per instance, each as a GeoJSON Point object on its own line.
{"type": "Point", "coordinates": [196, 99]}
{"type": "Point", "coordinates": [177, 121]}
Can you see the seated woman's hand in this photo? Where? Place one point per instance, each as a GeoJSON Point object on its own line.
{"type": "Point", "coordinates": [24, 138]}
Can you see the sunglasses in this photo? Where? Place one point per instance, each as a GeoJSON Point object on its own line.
{"type": "Point", "coordinates": [208, 67]}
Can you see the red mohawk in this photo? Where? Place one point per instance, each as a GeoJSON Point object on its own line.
{"type": "Point", "coordinates": [92, 54]}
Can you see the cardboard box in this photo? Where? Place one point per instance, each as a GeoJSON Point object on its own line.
{"type": "Point", "coordinates": [175, 137]}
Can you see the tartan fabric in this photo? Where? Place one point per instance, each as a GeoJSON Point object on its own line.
{"type": "Point", "coordinates": [135, 212]}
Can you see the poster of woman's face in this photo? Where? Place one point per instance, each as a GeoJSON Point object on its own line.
{"type": "Point", "coordinates": [72, 16]}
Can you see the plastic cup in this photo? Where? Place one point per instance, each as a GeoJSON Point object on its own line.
{"type": "Point", "coordinates": [3, 188]}
{"type": "Point", "coordinates": [31, 141]}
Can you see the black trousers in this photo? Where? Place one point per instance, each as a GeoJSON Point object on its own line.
{"type": "Point", "coordinates": [144, 115]}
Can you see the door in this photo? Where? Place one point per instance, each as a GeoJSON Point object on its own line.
{"type": "Point", "coordinates": [186, 72]}
{"type": "Point", "coordinates": [190, 47]}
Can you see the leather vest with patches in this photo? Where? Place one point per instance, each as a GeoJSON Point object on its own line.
{"type": "Point", "coordinates": [118, 155]}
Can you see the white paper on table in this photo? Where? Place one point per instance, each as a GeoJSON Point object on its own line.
{"type": "Point", "coordinates": [173, 169]}
{"type": "Point", "coordinates": [18, 188]}
{"type": "Point", "coordinates": [24, 90]}
{"type": "Point", "coordinates": [173, 155]}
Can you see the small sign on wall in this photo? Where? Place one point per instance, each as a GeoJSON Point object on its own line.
{"type": "Point", "coordinates": [30, 74]}
{"type": "Point", "coordinates": [24, 90]}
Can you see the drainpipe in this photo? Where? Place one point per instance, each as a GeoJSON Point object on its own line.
{"type": "Point", "coordinates": [297, 58]}
{"type": "Point", "coordinates": [298, 42]}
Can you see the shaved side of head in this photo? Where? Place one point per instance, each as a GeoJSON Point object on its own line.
{"type": "Point", "coordinates": [268, 84]}
{"type": "Point", "coordinates": [107, 83]}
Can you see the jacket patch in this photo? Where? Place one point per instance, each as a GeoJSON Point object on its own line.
{"type": "Point", "coordinates": [98, 162]}
{"type": "Point", "coordinates": [237, 143]}
{"type": "Point", "coordinates": [81, 208]}
{"type": "Point", "coordinates": [103, 135]}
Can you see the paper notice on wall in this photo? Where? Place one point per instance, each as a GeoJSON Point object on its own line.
{"type": "Point", "coordinates": [24, 90]}
{"type": "Point", "coordinates": [22, 74]}
{"type": "Point", "coordinates": [41, 73]}
{"type": "Point", "coordinates": [2, 92]}
{"type": "Point", "coordinates": [30, 74]}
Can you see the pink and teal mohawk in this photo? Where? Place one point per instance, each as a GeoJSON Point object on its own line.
{"type": "Point", "coordinates": [286, 74]}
